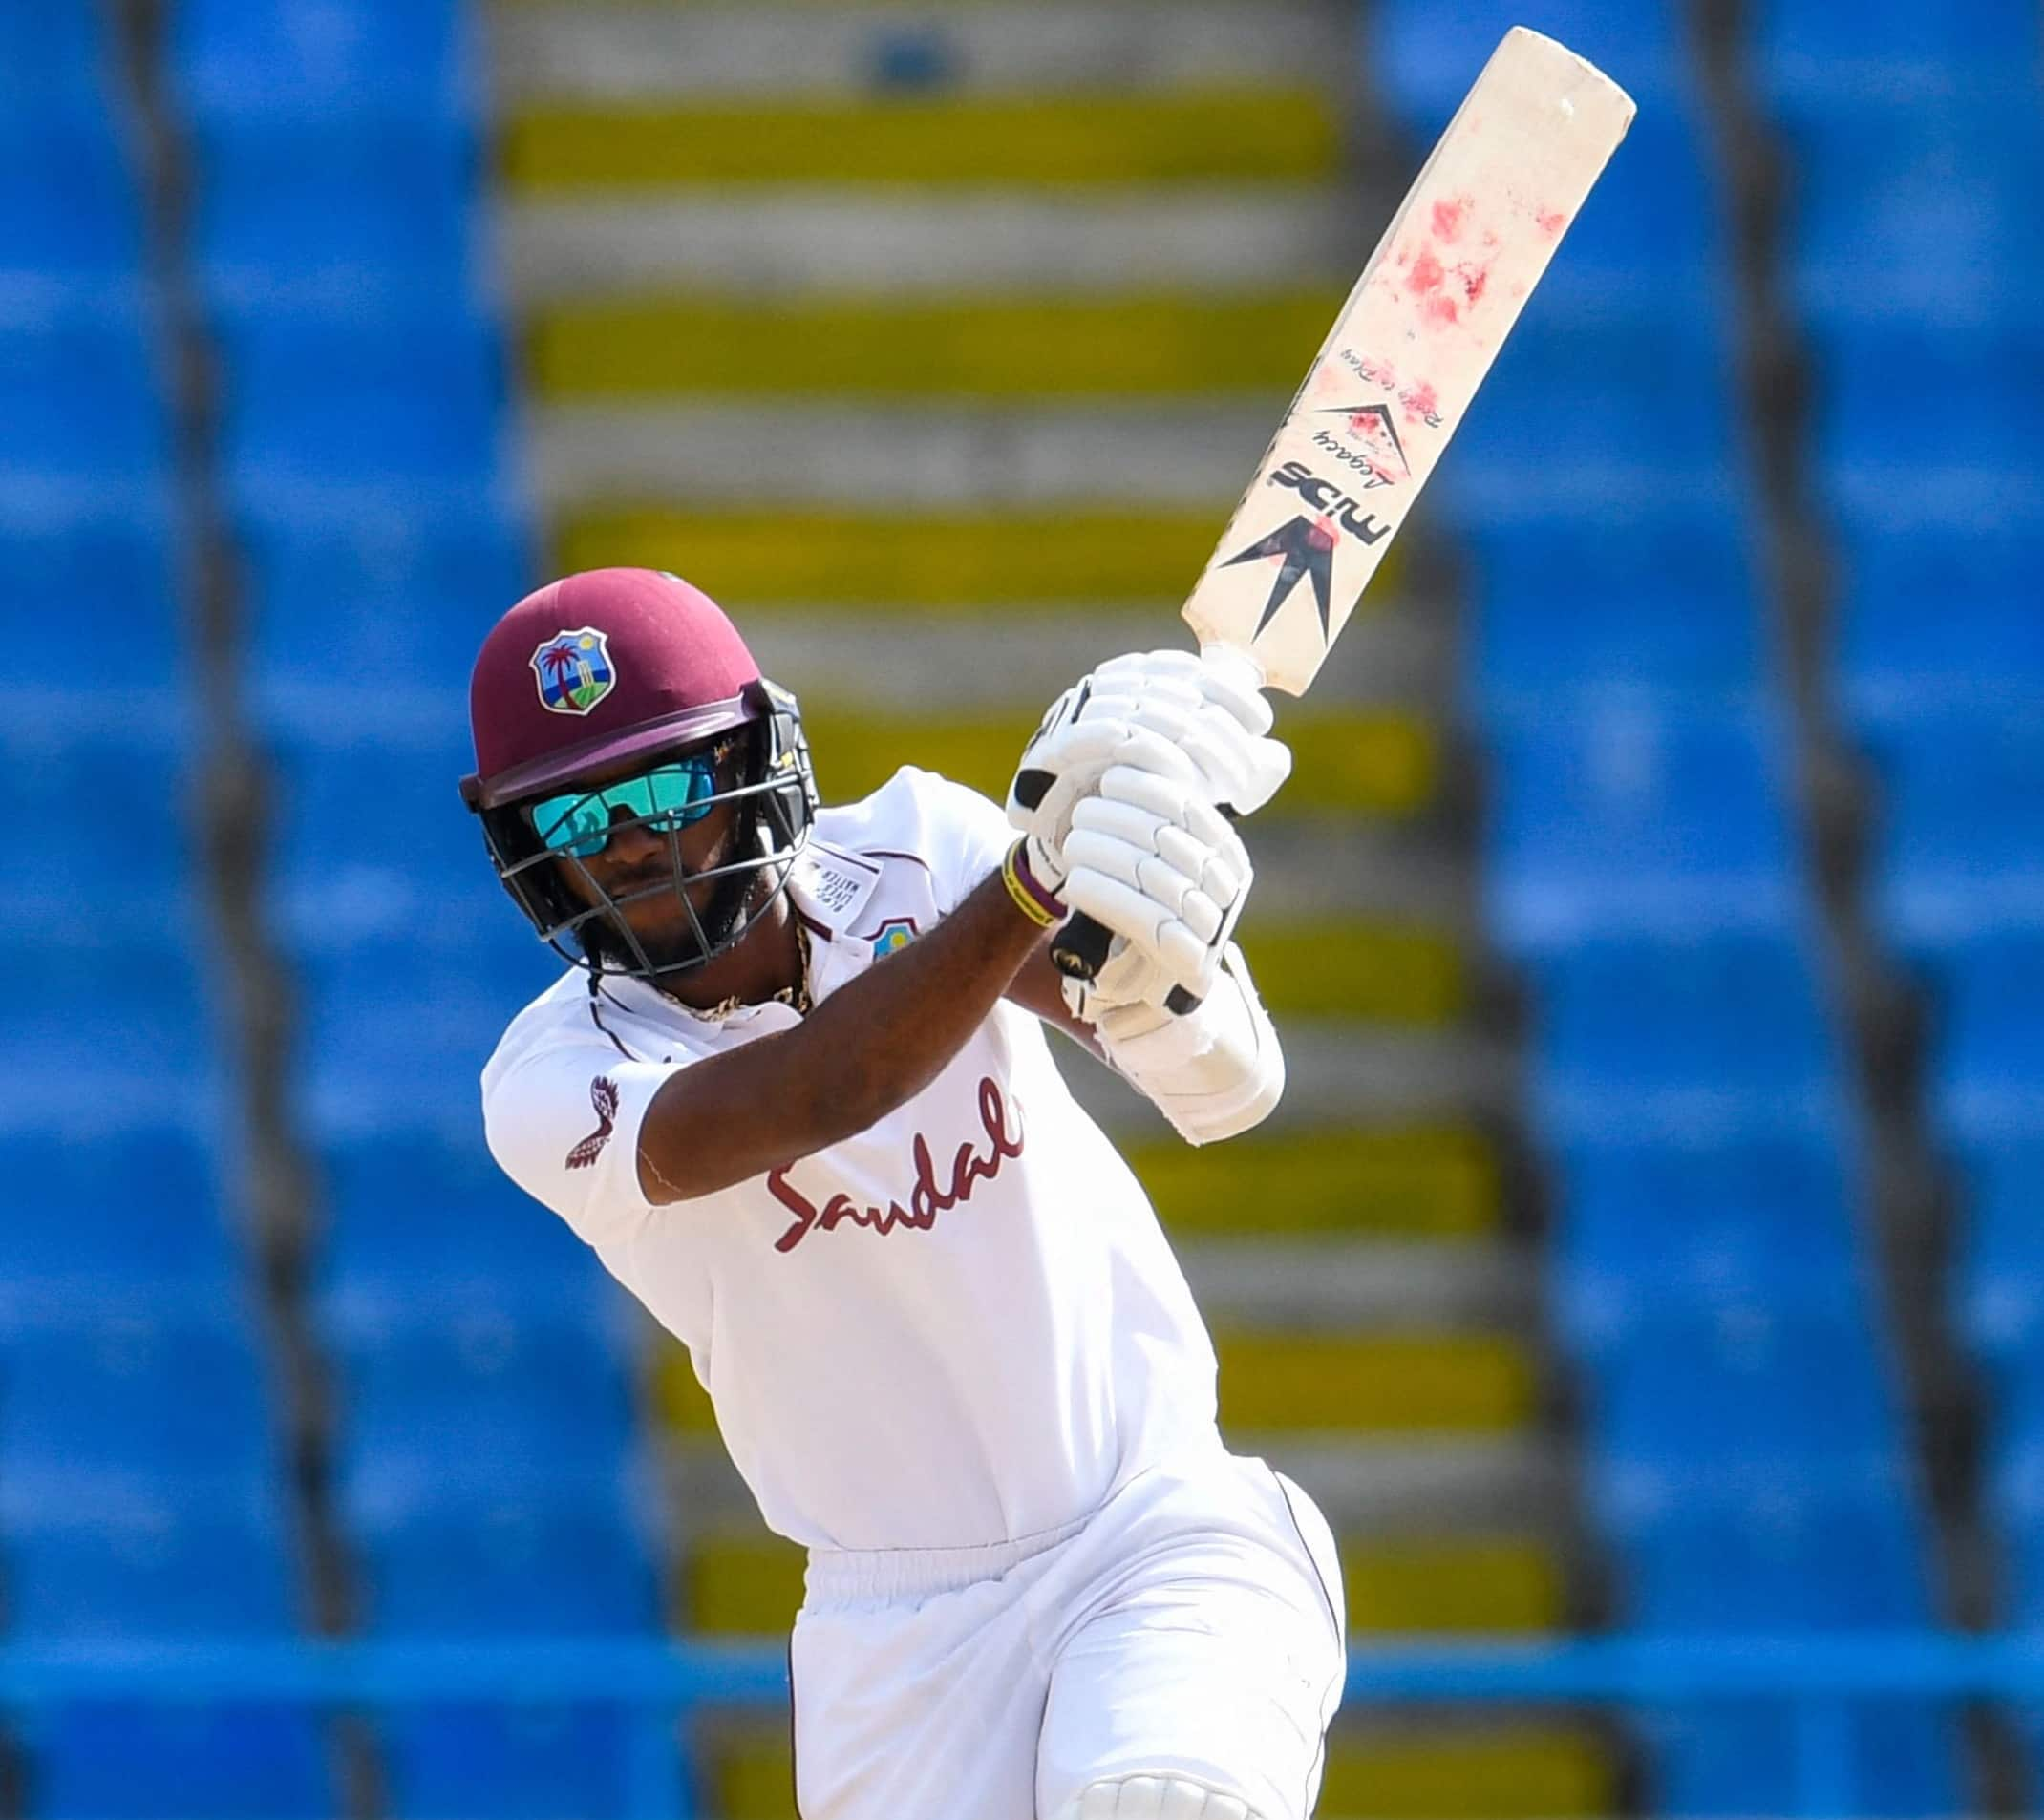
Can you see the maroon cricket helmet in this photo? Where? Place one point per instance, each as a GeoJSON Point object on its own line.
{"type": "Point", "coordinates": [602, 668]}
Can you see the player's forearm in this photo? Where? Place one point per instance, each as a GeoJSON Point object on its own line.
{"type": "Point", "coordinates": [867, 1049]}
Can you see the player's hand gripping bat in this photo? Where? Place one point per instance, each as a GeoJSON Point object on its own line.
{"type": "Point", "coordinates": [1395, 375]}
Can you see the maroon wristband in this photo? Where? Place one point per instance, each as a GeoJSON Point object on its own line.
{"type": "Point", "coordinates": [1050, 903]}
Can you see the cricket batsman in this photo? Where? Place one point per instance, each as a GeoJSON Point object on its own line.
{"type": "Point", "coordinates": [794, 1091]}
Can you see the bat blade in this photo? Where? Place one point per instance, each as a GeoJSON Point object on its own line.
{"type": "Point", "coordinates": [1398, 370]}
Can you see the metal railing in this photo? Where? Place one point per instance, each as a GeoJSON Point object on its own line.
{"type": "Point", "coordinates": [1818, 1678]}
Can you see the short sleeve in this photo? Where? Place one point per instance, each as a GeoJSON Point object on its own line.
{"type": "Point", "coordinates": [968, 835]}
{"type": "Point", "coordinates": [563, 1122]}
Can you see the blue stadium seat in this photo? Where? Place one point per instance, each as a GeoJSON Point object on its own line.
{"type": "Point", "coordinates": [1663, 605]}
{"type": "Point", "coordinates": [1702, 1042]}
{"type": "Point", "coordinates": [1905, 397]}
{"type": "Point", "coordinates": [84, 231]}
{"type": "Point", "coordinates": [422, 1220]}
{"type": "Point", "coordinates": [55, 60]}
{"type": "Point", "coordinates": [347, 58]}
{"type": "Point", "coordinates": [146, 1575]}
{"type": "Point", "coordinates": [573, 1567]}
{"type": "Point", "coordinates": [349, 214]}
{"type": "Point", "coordinates": [393, 1035]}
{"type": "Point", "coordinates": [1591, 410]}
{"type": "Point", "coordinates": [130, 1762]}
{"type": "Point", "coordinates": [474, 1413]}
{"type": "Point", "coordinates": [1998, 1287]}
{"type": "Point", "coordinates": [120, 1218]}
{"type": "Point", "coordinates": [1625, 819]}
{"type": "Point", "coordinates": [104, 1030]}
{"type": "Point", "coordinates": [1987, 1058]}
{"type": "Point", "coordinates": [1424, 54]}
{"type": "Point", "coordinates": [1738, 1410]}
{"type": "Point", "coordinates": [1929, 622]}
{"type": "Point", "coordinates": [115, 573]}
{"type": "Point", "coordinates": [1792, 1564]}
{"type": "Point", "coordinates": [528, 1762]}
{"type": "Point", "coordinates": [1962, 844]}
{"type": "Point", "coordinates": [339, 607]}
{"type": "Point", "coordinates": [1645, 1231]}
{"type": "Point", "coordinates": [1916, 212]}
{"type": "Point", "coordinates": [165, 1416]}
{"type": "Point", "coordinates": [82, 414]}
{"type": "Point", "coordinates": [1720, 1760]}
{"type": "Point", "coordinates": [1810, 55]}
{"type": "Point", "coordinates": [321, 413]}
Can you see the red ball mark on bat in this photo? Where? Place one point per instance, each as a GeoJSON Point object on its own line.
{"type": "Point", "coordinates": [1441, 310]}
{"type": "Point", "coordinates": [1474, 279]}
{"type": "Point", "coordinates": [1419, 403]}
{"type": "Point", "coordinates": [1551, 222]}
{"type": "Point", "coordinates": [1448, 216]}
{"type": "Point", "coordinates": [1426, 274]}
{"type": "Point", "coordinates": [1323, 535]}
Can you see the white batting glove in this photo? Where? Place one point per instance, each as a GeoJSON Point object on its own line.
{"type": "Point", "coordinates": [1204, 728]}
{"type": "Point", "coordinates": [1153, 861]}
{"type": "Point", "coordinates": [1213, 1073]}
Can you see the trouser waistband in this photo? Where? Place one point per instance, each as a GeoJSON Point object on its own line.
{"type": "Point", "coordinates": [838, 1575]}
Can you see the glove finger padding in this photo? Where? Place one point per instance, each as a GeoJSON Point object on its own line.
{"type": "Point", "coordinates": [1174, 891]}
{"type": "Point", "coordinates": [1213, 1073]}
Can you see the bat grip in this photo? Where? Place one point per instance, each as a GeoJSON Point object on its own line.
{"type": "Point", "coordinates": [1080, 949]}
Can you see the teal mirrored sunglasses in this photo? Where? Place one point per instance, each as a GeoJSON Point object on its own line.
{"type": "Point", "coordinates": [671, 795]}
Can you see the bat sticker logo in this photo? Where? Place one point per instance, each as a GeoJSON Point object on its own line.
{"type": "Point", "coordinates": [1324, 496]}
{"type": "Point", "coordinates": [1308, 549]}
{"type": "Point", "coordinates": [1372, 424]}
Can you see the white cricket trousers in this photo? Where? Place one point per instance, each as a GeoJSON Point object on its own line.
{"type": "Point", "coordinates": [1193, 1625]}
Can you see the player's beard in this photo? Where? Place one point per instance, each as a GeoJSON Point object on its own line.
{"type": "Point", "coordinates": [675, 946]}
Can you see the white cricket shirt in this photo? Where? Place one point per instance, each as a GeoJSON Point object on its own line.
{"type": "Point", "coordinates": [962, 1326]}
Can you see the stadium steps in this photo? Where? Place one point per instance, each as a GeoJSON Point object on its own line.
{"type": "Point", "coordinates": [935, 340]}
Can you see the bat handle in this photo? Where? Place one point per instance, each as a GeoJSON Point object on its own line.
{"type": "Point", "coordinates": [1080, 949]}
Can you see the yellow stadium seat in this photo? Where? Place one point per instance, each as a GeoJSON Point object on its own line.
{"type": "Point", "coordinates": [1482, 1585]}
{"type": "Point", "coordinates": [1516, 1772]}
{"type": "Point", "coordinates": [1397, 1382]}
{"type": "Point", "coordinates": [1353, 967]}
{"type": "Point", "coordinates": [1236, 136]}
{"type": "Point", "coordinates": [745, 1582]}
{"type": "Point", "coordinates": [1419, 1183]}
{"type": "Point", "coordinates": [1019, 348]}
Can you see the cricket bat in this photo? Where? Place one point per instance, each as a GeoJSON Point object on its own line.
{"type": "Point", "coordinates": [1395, 374]}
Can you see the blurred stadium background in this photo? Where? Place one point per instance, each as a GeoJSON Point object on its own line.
{"type": "Point", "coordinates": [1651, 1240]}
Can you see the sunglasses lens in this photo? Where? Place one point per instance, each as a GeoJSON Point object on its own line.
{"type": "Point", "coordinates": [675, 795]}
{"type": "Point", "coordinates": [679, 795]}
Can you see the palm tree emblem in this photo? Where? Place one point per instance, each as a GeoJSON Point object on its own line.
{"type": "Point", "coordinates": [574, 670]}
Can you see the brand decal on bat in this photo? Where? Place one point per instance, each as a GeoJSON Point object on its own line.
{"type": "Point", "coordinates": [1324, 496]}
{"type": "Point", "coordinates": [1303, 548]}
{"type": "Point", "coordinates": [1368, 471]}
{"type": "Point", "coordinates": [1372, 425]}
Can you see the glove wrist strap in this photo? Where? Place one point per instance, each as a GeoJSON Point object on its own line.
{"type": "Point", "coordinates": [1032, 897]}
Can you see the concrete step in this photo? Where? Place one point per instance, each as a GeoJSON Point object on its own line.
{"type": "Point", "coordinates": [807, 242]}
{"type": "Point", "coordinates": [1235, 133]}
{"type": "Point", "coordinates": [944, 455]}
{"type": "Point", "coordinates": [1482, 1485]}
{"type": "Point", "coordinates": [1334, 1074]}
{"type": "Point", "coordinates": [635, 53]}
{"type": "Point", "coordinates": [1018, 661]}
{"type": "Point", "coordinates": [1347, 1284]}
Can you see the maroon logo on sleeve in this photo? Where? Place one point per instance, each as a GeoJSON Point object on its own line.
{"type": "Point", "coordinates": [926, 1199]}
{"type": "Point", "coordinates": [603, 1095]}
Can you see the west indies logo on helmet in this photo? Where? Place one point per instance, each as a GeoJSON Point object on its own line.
{"type": "Point", "coordinates": [623, 698]}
